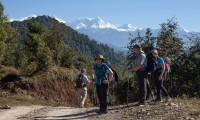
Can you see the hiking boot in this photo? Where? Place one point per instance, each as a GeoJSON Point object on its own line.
{"type": "Point", "coordinates": [168, 99]}
{"type": "Point", "coordinates": [101, 112]}
{"type": "Point", "coordinates": [157, 100]}
{"type": "Point", "coordinates": [141, 104]}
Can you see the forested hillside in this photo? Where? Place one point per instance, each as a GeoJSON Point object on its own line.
{"type": "Point", "coordinates": [39, 58]}
{"type": "Point", "coordinates": [59, 32]}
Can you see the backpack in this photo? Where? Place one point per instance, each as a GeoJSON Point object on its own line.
{"type": "Point", "coordinates": [167, 65]}
{"type": "Point", "coordinates": [115, 75]}
{"type": "Point", "coordinates": [79, 81]}
{"type": "Point", "coordinates": [151, 63]}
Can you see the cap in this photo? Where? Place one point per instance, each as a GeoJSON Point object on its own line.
{"type": "Point", "coordinates": [99, 57]}
{"type": "Point", "coordinates": [136, 46]}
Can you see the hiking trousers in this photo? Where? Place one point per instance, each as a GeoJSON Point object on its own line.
{"type": "Point", "coordinates": [83, 95]}
{"type": "Point", "coordinates": [102, 93]}
{"type": "Point", "coordinates": [142, 85]}
{"type": "Point", "coordinates": [159, 85]}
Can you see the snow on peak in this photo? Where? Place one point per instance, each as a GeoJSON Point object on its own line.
{"type": "Point", "coordinates": [59, 19]}
{"type": "Point", "coordinates": [127, 27]}
{"type": "Point", "coordinates": [93, 23]}
{"type": "Point", "coordinates": [34, 16]}
{"type": "Point", "coordinates": [98, 23]}
{"type": "Point", "coordinates": [186, 30]}
{"type": "Point", "coordinates": [23, 18]}
{"type": "Point", "coordinates": [179, 29]}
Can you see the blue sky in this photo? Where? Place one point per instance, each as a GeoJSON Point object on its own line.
{"type": "Point", "coordinates": [139, 13]}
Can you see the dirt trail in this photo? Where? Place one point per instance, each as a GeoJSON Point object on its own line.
{"type": "Point", "coordinates": [16, 112]}
{"type": "Point", "coordinates": [44, 112]}
{"type": "Point", "coordinates": [151, 111]}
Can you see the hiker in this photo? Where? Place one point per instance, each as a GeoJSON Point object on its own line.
{"type": "Point", "coordinates": [81, 86]}
{"type": "Point", "coordinates": [141, 74]}
{"type": "Point", "coordinates": [103, 77]}
{"type": "Point", "coordinates": [159, 77]}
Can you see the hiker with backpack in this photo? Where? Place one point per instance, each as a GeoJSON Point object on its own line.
{"type": "Point", "coordinates": [81, 86]}
{"type": "Point", "coordinates": [141, 74]}
{"type": "Point", "coordinates": [102, 75]}
{"type": "Point", "coordinates": [159, 77]}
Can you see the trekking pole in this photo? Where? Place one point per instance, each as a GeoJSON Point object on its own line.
{"type": "Point", "coordinates": [127, 98]}
{"type": "Point", "coordinates": [130, 75]}
{"type": "Point", "coordinates": [150, 88]}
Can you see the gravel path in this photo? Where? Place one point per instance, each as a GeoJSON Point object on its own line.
{"type": "Point", "coordinates": [16, 112]}
{"type": "Point", "coordinates": [151, 111]}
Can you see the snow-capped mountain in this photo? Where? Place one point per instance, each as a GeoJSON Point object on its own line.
{"type": "Point", "coordinates": [102, 31]}
{"type": "Point", "coordinates": [114, 35]}
{"type": "Point", "coordinates": [90, 23]}
{"type": "Point", "coordinates": [117, 36]}
{"type": "Point", "coordinates": [34, 16]}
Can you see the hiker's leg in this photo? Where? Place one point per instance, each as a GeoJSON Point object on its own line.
{"type": "Point", "coordinates": [163, 88]}
{"type": "Point", "coordinates": [158, 97]}
{"type": "Point", "coordinates": [84, 96]}
{"type": "Point", "coordinates": [80, 96]}
{"type": "Point", "coordinates": [98, 90]}
{"type": "Point", "coordinates": [142, 85]}
{"type": "Point", "coordinates": [104, 102]}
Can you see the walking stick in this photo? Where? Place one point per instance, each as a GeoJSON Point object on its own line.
{"type": "Point", "coordinates": [130, 75]}
{"type": "Point", "coordinates": [127, 98]}
{"type": "Point", "coordinates": [150, 88]}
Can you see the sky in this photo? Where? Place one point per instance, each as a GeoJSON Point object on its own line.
{"type": "Point", "coordinates": [139, 13]}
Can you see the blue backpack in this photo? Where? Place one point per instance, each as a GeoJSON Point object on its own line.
{"type": "Point", "coordinates": [115, 75]}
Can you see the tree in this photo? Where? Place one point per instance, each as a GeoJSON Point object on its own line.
{"type": "Point", "coordinates": [168, 42]}
{"type": "Point", "coordinates": [54, 41]}
{"type": "Point", "coordinates": [35, 49]}
{"type": "Point", "coordinates": [8, 40]}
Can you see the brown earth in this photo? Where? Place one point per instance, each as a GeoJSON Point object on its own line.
{"type": "Point", "coordinates": [175, 110]}
{"type": "Point", "coordinates": [53, 86]}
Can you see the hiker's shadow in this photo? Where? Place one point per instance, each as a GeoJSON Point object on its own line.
{"type": "Point", "coordinates": [82, 115]}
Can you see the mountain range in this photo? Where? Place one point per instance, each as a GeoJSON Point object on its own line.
{"type": "Point", "coordinates": [117, 36]}
{"type": "Point", "coordinates": [80, 43]}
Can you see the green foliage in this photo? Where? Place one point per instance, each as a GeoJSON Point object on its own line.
{"type": "Point", "coordinates": [167, 41]}
{"type": "Point", "coordinates": [35, 49]}
{"type": "Point", "coordinates": [57, 34]}
{"type": "Point", "coordinates": [7, 40]}
{"type": "Point", "coordinates": [185, 78]}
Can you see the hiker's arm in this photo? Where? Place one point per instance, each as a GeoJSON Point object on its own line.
{"type": "Point", "coordinates": [92, 75]}
{"type": "Point", "coordinates": [136, 68]}
{"type": "Point", "coordinates": [88, 81]}
{"type": "Point", "coordinates": [110, 75]}
{"type": "Point", "coordinates": [140, 62]}
{"type": "Point", "coordinates": [162, 72]}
